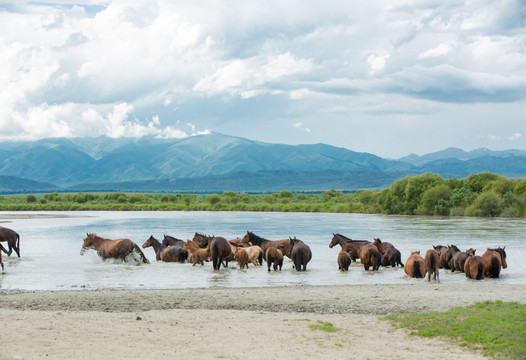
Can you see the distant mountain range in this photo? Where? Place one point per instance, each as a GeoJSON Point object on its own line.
{"type": "Point", "coordinates": [217, 162]}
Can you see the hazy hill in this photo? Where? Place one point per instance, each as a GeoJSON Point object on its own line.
{"type": "Point", "coordinates": [218, 162]}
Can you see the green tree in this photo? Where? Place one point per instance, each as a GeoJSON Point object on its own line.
{"type": "Point", "coordinates": [431, 198]}
{"type": "Point", "coordinates": [31, 198]}
{"type": "Point", "coordinates": [476, 182]}
{"type": "Point", "coordinates": [487, 204]}
{"type": "Point", "coordinates": [416, 186]}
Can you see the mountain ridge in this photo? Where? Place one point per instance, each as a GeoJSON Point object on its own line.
{"type": "Point", "coordinates": [102, 163]}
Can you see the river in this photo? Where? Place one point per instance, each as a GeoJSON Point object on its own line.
{"type": "Point", "coordinates": [51, 241]}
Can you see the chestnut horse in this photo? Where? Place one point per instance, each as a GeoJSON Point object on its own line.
{"type": "Point", "coordinates": [274, 257]}
{"type": "Point", "coordinates": [264, 244]}
{"type": "Point", "coordinates": [171, 253]}
{"type": "Point", "coordinates": [502, 254]}
{"type": "Point", "coordinates": [196, 255]}
{"type": "Point", "coordinates": [13, 240]}
{"type": "Point", "coordinates": [431, 264]}
{"type": "Point", "coordinates": [415, 265]}
{"type": "Point", "coordinates": [254, 252]}
{"type": "Point", "coordinates": [344, 260]}
{"type": "Point", "coordinates": [353, 247]}
{"type": "Point", "coordinates": [382, 246]}
{"type": "Point", "coordinates": [492, 263]}
{"type": "Point", "coordinates": [474, 267]}
{"type": "Point", "coordinates": [370, 257]}
{"type": "Point", "coordinates": [300, 254]}
{"type": "Point", "coordinates": [241, 257]}
{"type": "Point", "coordinates": [112, 249]}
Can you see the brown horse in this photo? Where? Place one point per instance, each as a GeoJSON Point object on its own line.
{"type": "Point", "coordinates": [12, 238]}
{"type": "Point", "coordinates": [415, 265]}
{"type": "Point", "coordinates": [300, 254]}
{"type": "Point", "coordinates": [274, 257]}
{"type": "Point", "coordinates": [440, 249]}
{"type": "Point", "coordinates": [447, 256]}
{"type": "Point", "coordinates": [502, 254]}
{"type": "Point", "coordinates": [353, 247]}
{"type": "Point", "coordinates": [171, 253]}
{"type": "Point", "coordinates": [221, 249]}
{"type": "Point", "coordinates": [196, 255]}
{"type": "Point", "coordinates": [474, 267]}
{"type": "Point", "coordinates": [370, 257]}
{"type": "Point", "coordinates": [344, 260]}
{"type": "Point", "coordinates": [113, 249]}
{"type": "Point", "coordinates": [431, 264]}
{"type": "Point", "coordinates": [264, 244]}
{"type": "Point", "coordinates": [492, 263]}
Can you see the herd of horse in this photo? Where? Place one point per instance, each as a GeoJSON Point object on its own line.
{"type": "Point", "coordinates": [374, 254]}
{"type": "Point", "coordinates": [252, 249]}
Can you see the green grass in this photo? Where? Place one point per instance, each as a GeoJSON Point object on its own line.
{"type": "Point", "coordinates": [498, 328]}
{"type": "Point", "coordinates": [324, 326]}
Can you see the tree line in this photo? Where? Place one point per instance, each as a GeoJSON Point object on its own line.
{"type": "Point", "coordinates": [483, 195]}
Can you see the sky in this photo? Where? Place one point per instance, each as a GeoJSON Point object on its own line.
{"type": "Point", "coordinates": [390, 78]}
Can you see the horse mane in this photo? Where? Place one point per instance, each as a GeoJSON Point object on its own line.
{"type": "Point", "coordinates": [251, 234]}
{"type": "Point", "coordinates": [343, 236]}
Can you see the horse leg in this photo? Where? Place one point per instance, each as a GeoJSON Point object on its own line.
{"type": "Point", "coordinates": [3, 248]}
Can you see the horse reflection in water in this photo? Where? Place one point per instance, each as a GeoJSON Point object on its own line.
{"type": "Point", "coordinates": [122, 249]}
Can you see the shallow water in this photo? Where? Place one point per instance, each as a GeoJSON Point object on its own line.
{"type": "Point", "coordinates": [51, 260]}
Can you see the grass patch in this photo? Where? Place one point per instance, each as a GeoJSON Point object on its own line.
{"type": "Point", "coordinates": [324, 326]}
{"type": "Point", "coordinates": [497, 328]}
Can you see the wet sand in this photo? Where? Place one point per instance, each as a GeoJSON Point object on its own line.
{"type": "Point", "coordinates": [234, 323]}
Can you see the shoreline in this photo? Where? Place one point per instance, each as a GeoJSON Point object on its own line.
{"type": "Point", "coordinates": [235, 323]}
{"type": "Point", "coordinates": [376, 299]}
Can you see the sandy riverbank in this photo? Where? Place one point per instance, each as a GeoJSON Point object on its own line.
{"type": "Point", "coordinates": [260, 323]}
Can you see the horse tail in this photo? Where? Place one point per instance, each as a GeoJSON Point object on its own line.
{"type": "Point", "coordinates": [215, 256]}
{"type": "Point", "coordinates": [17, 248]}
{"type": "Point", "coordinates": [480, 270]}
{"type": "Point", "coordinates": [260, 257]}
{"type": "Point", "coordinates": [416, 270]}
{"type": "Point", "coordinates": [495, 267]}
{"type": "Point", "coordinates": [298, 259]}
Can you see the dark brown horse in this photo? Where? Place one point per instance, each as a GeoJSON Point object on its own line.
{"type": "Point", "coordinates": [474, 267]}
{"type": "Point", "coordinates": [431, 264]}
{"type": "Point", "coordinates": [370, 257]}
{"type": "Point", "coordinates": [460, 259]}
{"type": "Point", "coordinates": [170, 240]}
{"type": "Point", "coordinates": [300, 254]}
{"type": "Point", "coordinates": [344, 260]}
{"type": "Point", "coordinates": [447, 255]}
{"type": "Point", "coordinates": [171, 253]}
{"type": "Point", "coordinates": [492, 263]}
{"type": "Point", "coordinates": [264, 244]}
{"type": "Point", "coordinates": [382, 246]}
{"type": "Point", "coordinates": [392, 257]}
{"type": "Point", "coordinates": [353, 247]}
{"type": "Point", "coordinates": [274, 257]}
{"type": "Point", "coordinates": [113, 249]}
{"type": "Point", "coordinates": [415, 265]}
{"type": "Point", "coordinates": [12, 238]}
{"type": "Point", "coordinates": [219, 246]}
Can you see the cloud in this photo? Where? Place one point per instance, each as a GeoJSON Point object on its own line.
{"type": "Point", "coordinates": [135, 68]}
{"type": "Point", "coordinates": [515, 136]}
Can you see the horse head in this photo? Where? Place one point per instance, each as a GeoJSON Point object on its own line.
{"type": "Point", "coordinates": [148, 242]}
{"type": "Point", "coordinates": [88, 243]}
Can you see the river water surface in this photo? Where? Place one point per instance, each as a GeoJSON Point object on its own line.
{"type": "Point", "coordinates": [50, 248]}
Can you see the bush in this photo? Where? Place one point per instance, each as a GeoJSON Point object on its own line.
{"type": "Point", "coordinates": [487, 204]}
